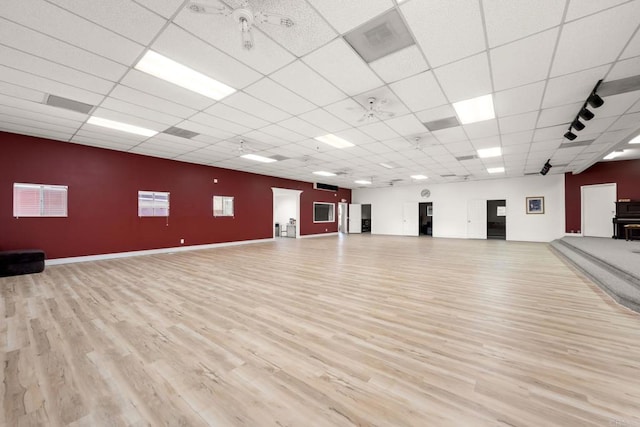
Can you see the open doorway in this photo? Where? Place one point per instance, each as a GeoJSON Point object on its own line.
{"type": "Point", "coordinates": [366, 218]}
{"type": "Point", "coordinates": [286, 212]}
{"type": "Point", "coordinates": [497, 219]}
{"type": "Point", "coordinates": [342, 217]}
{"type": "Point", "coordinates": [426, 218]}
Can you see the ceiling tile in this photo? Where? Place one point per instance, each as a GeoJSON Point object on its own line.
{"type": "Point", "coordinates": [272, 93]}
{"type": "Point", "coordinates": [446, 31]}
{"type": "Point", "coordinates": [344, 16]}
{"type": "Point", "coordinates": [595, 40]}
{"type": "Point", "coordinates": [38, 109]}
{"type": "Point", "coordinates": [558, 115]}
{"type": "Point", "coordinates": [324, 120]}
{"type": "Point", "coordinates": [450, 135]}
{"type": "Point", "coordinates": [234, 115]}
{"type": "Point", "coordinates": [21, 92]}
{"type": "Point", "coordinates": [633, 48]}
{"type": "Point", "coordinates": [547, 133]}
{"type": "Point", "coordinates": [205, 130]}
{"type": "Point", "coordinates": [282, 133]}
{"type": "Point", "coordinates": [482, 129]}
{"type": "Point", "coordinates": [400, 64]}
{"type": "Point", "coordinates": [406, 125]}
{"type": "Point", "coordinates": [355, 136]}
{"type": "Point", "coordinates": [573, 87]}
{"type": "Point", "coordinates": [218, 123]}
{"type": "Point", "coordinates": [523, 62]}
{"type": "Point", "coordinates": [251, 105]}
{"type": "Point", "coordinates": [380, 131]}
{"type": "Point", "coordinates": [302, 127]}
{"type": "Point", "coordinates": [121, 16]}
{"type": "Point", "coordinates": [515, 19]}
{"type": "Point", "coordinates": [339, 64]}
{"type": "Point", "coordinates": [519, 122]}
{"type": "Point", "coordinates": [616, 105]}
{"type": "Point", "coordinates": [18, 120]}
{"type": "Point", "coordinates": [517, 138]}
{"type": "Point", "coordinates": [579, 8]}
{"type": "Point", "coordinates": [141, 112]}
{"type": "Point", "coordinates": [623, 69]}
{"type": "Point", "coordinates": [301, 79]}
{"type": "Point", "coordinates": [164, 8]}
{"type": "Point", "coordinates": [518, 100]}
{"type": "Point", "coordinates": [419, 92]}
{"type": "Point", "coordinates": [438, 113]}
{"type": "Point", "coordinates": [63, 25]}
{"type": "Point", "coordinates": [465, 79]}
{"type": "Point", "coordinates": [151, 102]}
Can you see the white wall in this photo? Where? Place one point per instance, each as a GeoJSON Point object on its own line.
{"type": "Point", "coordinates": [450, 206]}
{"type": "Point", "coordinates": [284, 208]}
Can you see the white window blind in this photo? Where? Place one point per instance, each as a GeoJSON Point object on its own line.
{"type": "Point", "coordinates": [222, 206]}
{"type": "Point", "coordinates": [153, 203]}
{"type": "Point", "coordinates": [33, 200]}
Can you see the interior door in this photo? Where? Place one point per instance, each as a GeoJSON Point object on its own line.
{"type": "Point", "coordinates": [355, 218]}
{"type": "Point", "coordinates": [598, 207]}
{"type": "Point", "coordinates": [477, 219]}
{"type": "Point", "coordinates": [411, 219]}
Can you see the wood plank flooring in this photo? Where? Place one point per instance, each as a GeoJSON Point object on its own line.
{"type": "Point", "coordinates": [361, 330]}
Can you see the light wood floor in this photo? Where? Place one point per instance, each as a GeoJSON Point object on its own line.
{"type": "Point", "coordinates": [362, 330]}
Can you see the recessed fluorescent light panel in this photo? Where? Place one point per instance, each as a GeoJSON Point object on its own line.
{"type": "Point", "coordinates": [334, 141]}
{"type": "Point", "coordinates": [613, 155]}
{"type": "Point", "coordinates": [419, 177]}
{"type": "Point", "coordinates": [324, 173]}
{"type": "Point", "coordinates": [635, 140]}
{"type": "Point", "coordinates": [489, 152]}
{"type": "Point", "coordinates": [120, 126]}
{"type": "Point", "coordinates": [258, 158]}
{"type": "Point", "coordinates": [362, 181]}
{"type": "Point", "coordinates": [386, 165]}
{"type": "Point", "coordinates": [167, 69]}
{"type": "Point", "coordinates": [475, 109]}
{"type": "Point", "coordinates": [496, 170]}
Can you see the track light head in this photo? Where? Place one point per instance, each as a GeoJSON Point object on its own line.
{"type": "Point", "coordinates": [595, 100]}
{"type": "Point", "coordinates": [545, 169]}
{"type": "Point", "coordinates": [585, 114]}
{"type": "Point", "coordinates": [570, 135]}
{"type": "Point", "coordinates": [577, 124]}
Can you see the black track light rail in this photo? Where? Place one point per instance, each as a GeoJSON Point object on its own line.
{"type": "Point", "coordinates": [595, 101]}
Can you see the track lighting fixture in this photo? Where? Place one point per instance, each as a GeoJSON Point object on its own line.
{"type": "Point", "coordinates": [595, 101]}
{"type": "Point", "coordinates": [545, 169]}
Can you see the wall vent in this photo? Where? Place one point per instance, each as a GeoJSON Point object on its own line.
{"type": "Point", "coordinates": [325, 187]}
{"type": "Point", "coordinates": [68, 104]}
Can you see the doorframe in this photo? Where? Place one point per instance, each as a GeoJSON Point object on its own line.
{"type": "Point", "coordinates": [582, 204]}
{"type": "Point", "coordinates": [344, 224]}
{"type": "Point", "coordinates": [286, 192]}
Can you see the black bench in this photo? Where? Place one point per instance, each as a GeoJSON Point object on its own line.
{"type": "Point", "coordinates": [27, 261]}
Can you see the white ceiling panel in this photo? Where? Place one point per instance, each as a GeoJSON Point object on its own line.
{"type": "Point", "coordinates": [465, 79]}
{"type": "Point", "coordinates": [579, 8]}
{"type": "Point", "coordinates": [406, 125]}
{"type": "Point", "coordinates": [121, 16]}
{"type": "Point", "coordinates": [519, 122]}
{"type": "Point", "coordinates": [283, 133]}
{"type": "Point", "coordinates": [518, 100]}
{"type": "Point", "coordinates": [35, 109]}
{"type": "Point", "coordinates": [302, 127]}
{"type": "Point", "coordinates": [616, 105]}
{"type": "Point", "coordinates": [400, 64]}
{"type": "Point", "coordinates": [547, 133]}
{"type": "Point", "coordinates": [437, 113]}
{"type": "Point", "coordinates": [21, 92]}
{"type": "Point", "coordinates": [234, 115]}
{"type": "Point", "coordinates": [515, 19]}
{"type": "Point", "coordinates": [344, 16]}
{"type": "Point", "coordinates": [31, 81]}
{"type": "Point", "coordinates": [339, 64]}
{"type": "Point", "coordinates": [349, 111]}
{"type": "Point", "coordinates": [103, 143]}
{"type": "Point", "coordinates": [628, 121]}
{"type": "Point", "coordinates": [216, 134]}
{"type": "Point", "coordinates": [558, 115]}
{"type": "Point", "coordinates": [272, 93]}
{"type": "Point", "coordinates": [222, 32]}
{"type": "Point", "coordinates": [262, 139]}
{"type": "Point", "coordinates": [633, 48]}
{"type": "Point", "coordinates": [164, 139]}
{"type": "Point", "coordinates": [133, 110]}
{"type": "Point", "coordinates": [355, 136]}
{"type": "Point", "coordinates": [419, 92]}
{"type": "Point", "coordinates": [324, 120]}
{"type": "Point", "coordinates": [165, 8]}
{"type": "Point", "coordinates": [26, 115]}
{"type": "Point", "coordinates": [517, 138]}
{"type": "Point", "coordinates": [151, 102]}
{"type": "Point", "coordinates": [573, 87]}
{"type": "Point", "coordinates": [41, 67]}
{"type": "Point", "coordinates": [446, 31]}
{"type": "Point", "coordinates": [37, 124]}
{"type": "Point", "coordinates": [177, 44]}
{"type": "Point", "coordinates": [251, 105]}
{"type": "Point", "coordinates": [162, 89]}
{"type": "Point", "coordinates": [309, 84]}
{"type": "Point", "coordinates": [61, 24]}
{"type": "Point", "coordinates": [218, 123]}
{"type": "Point", "coordinates": [446, 136]}
{"type": "Point", "coordinates": [624, 69]}
{"type": "Point", "coordinates": [379, 131]}
{"type": "Point", "coordinates": [46, 47]}
{"type": "Point", "coordinates": [482, 129]}
{"type": "Point", "coordinates": [595, 40]}
{"type": "Point", "coordinates": [523, 62]}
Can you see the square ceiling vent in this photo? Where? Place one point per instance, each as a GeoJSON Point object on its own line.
{"type": "Point", "coordinates": [380, 37]}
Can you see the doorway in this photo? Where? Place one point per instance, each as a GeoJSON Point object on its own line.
{"type": "Point", "coordinates": [342, 217]}
{"type": "Point", "coordinates": [598, 208]}
{"type": "Point", "coordinates": [426, 218]}
{"type": "Point", "coordinates": [366, 218]}
{"type": "Point", "coordinates": [286, 206]}
{"type": "Point", "coordinates": [497, 219]}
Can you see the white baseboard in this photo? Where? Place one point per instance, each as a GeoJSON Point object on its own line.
{"type": "Point", "coordinates": [572, 234]}
{"type": "Point", "coordinates": [101, 257]}
{"type": "Point", "coordinates": [309, 236]}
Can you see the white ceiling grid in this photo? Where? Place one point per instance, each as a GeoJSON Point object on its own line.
{"type": "Point", "coordinates": [539, 60]}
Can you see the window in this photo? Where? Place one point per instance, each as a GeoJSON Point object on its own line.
{"type": "Point", "coordinates": [153, 203]}
{"type": "Point", "coordinates": [323, 212]}
{"type": "Point", "coordinates": [39, 200]}
{"type": "Point", "coordinates": [222, 206]}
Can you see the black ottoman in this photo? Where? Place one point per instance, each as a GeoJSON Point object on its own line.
{"type": "Point", "coordinates": [27, 261]}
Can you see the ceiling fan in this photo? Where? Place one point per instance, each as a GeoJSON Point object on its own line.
{"type": "Point", "coordinates": [244, 16]}
{"type": "Point", "coordinates": [373, 110]}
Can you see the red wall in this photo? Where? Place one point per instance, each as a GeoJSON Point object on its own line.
{"type": "Point", "coordinates": [625, 173]}
{"type": "Point", "coordinates": [102, 200]}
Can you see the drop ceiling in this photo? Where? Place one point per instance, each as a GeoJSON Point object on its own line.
{"type": "Point", "coordinates": [538, 59]}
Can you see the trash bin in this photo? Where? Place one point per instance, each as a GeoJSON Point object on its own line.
{"type": "Point", "coordinates": [277, 229]}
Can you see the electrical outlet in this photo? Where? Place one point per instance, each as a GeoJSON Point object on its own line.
{"type": "Point", "coordinates": [182, 241]}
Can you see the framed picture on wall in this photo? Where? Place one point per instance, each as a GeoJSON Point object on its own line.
{"type": "Point", "coordinates": [535, 205]}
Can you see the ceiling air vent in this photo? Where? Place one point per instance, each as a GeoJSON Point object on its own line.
{"type": "Point", "coordinates": [471, 157]}
{"type": "Point", "coordinates": [326, 187]}
{"type": "Point", "coordinates": [616, 87]}
{"type": "Point", "coordinates": [181, 133]}
{"type": "Point", "coordinates": [450, 175]}
{"type": "Point", "coordinates": [68, 104]}
{"type": "Point", "coordinates": [279, 158]}
{"type": "Point", "coordinates": [448, 122]}
{"type": "Point", "coordinates": [380, 37]}
{"type": "Point", "coordinates": [576, 144]}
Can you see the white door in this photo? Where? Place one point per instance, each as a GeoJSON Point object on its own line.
{"type": "Point", "coordinates": [342, 217]}
{"type": "Point", "coordinates": [477, 219]}
{"type": "Point", "coordinates": [355, 218]}
{"type": "Point", "coordinates": [598, 207]}
{"type": "Point", "coordinates": [411, 219]}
